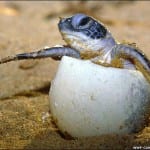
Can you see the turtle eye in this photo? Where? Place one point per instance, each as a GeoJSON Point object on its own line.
{"type": "Point", "coordinates": [84, 21]}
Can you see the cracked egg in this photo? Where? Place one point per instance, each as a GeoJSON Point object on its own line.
{"type": "Point", "coordinates": [90, 100]}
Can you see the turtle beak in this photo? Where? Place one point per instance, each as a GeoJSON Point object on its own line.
{"type": "Point", "coordinates": [61, 23]}
{"type": "Point", "coordinates": [60, 18]}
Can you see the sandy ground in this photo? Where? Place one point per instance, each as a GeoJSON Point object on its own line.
{"type": "Point", "coordinates": [24, 85]}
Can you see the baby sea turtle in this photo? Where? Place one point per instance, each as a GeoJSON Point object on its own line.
{"type": "Point", "coordinates": [88, 38]}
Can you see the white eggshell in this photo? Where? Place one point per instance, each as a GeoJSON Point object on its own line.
{"type": "Point", "coordinates": [89, 100]}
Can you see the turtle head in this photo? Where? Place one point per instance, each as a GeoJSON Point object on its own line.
{"type": "Point", "coordinates": [83, 32]}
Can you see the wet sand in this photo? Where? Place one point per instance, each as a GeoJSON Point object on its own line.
{"type": "Point", "coordinates": [24, 85]}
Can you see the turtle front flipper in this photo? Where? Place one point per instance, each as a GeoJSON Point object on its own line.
{"type": "Point", "coordinates": [54, 52]}
{"type": "Point", "coordinates": [135, 56]}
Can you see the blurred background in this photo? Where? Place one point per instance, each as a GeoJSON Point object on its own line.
{"type": "Point", "coordinates": [24, 85]}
